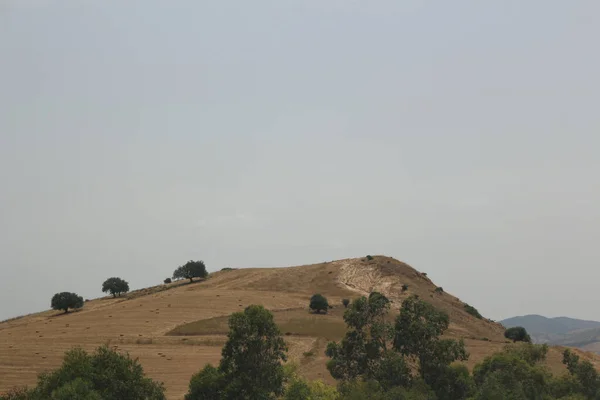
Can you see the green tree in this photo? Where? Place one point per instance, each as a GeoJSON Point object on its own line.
{"type": "Point", "coordinates": [66, 300]}
{"type": "Point", "coordinates": [103, 375]}
{"type": "Point", "coordinates": [191, 270]}
{"type": "Point", "coordinates": [252, 356]}
{"type": "Point", "coordinates": [208, 384]}
{"type": "Point", "coordinates": [251, 363]}
{"type": "Point", "coordinates": [167, 281]}
{"type": "Point", "coordinates": [515, 373]}
{"type": "Point", "coordinates": [318, 303]}
{"type": "Point", "coordinates": [345, 302]}
{"type": "Point", "coordinates": [115, 286]}
{"type": "Point", "coordinates": [366, 342]}
{"type": "Point", "coordinates": [584, 373]}
{"type": "Point", "coordinates": [517, 334]}
{"type": "Point", "coordinates": [417, 336]}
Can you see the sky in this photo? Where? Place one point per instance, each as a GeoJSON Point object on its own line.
{"type": "Point", "coordinates": [460, 137]}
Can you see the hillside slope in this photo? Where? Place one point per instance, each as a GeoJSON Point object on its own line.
{"type": "Point", "coordinates": [559, 331]}
{"type": "Point", "coordinates": [175, 329]}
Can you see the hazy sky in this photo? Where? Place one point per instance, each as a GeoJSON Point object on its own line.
{"type": "Point", "coordinates": [462, 137]}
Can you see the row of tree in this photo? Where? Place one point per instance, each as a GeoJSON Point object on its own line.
{"type": "Point", "coordinates": [117, 286]}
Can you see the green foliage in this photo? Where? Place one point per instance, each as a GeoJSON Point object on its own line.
{"type": "Point", "coordinates": [318, 303]}
{"type": "Point", "coordinates": [404, 287]}
{"type": "Point", "coordinates": [361, 350]}
{"type": "Point", "coordinates": [417, 336]}
{"type": "Point", "coordinates": [167, 281]}
{"type": "Point", "coordinates": [515, 373]}
{"type": "Point", "coordinates": [299, 389]}
{"type": "Point", "coordinates": [191, 270]}
{"type": "Point", "coordinates": [103, 375]}
{"type": "Point", "coordinates": [585, 375]}
{"type": "Point", "coordinates": [345, 302]}
{"type": "Point", "coordinates": [517, 334]}
{"type": "Point", "coordinates": [439, 289]}
{"type": "Point", "coordinates": [251, 360]}
{"type": "Point", "coordinates": [207, 384]}
{"type": "Point", "coordinates": [472, 311]}
{"type": "Point", "coordinates": [115, 286]}
{"type": "Point", "coordinates": [66, 300]}
{"type": "Point", "coordinates": [372, 390]}
{"type": "Point", "coordinates": [370, 258]}
{"type": "Point", "coordinates": [18, 393]}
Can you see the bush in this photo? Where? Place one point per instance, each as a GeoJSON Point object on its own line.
{"type": "Point", "coordinates": [104, 375]}
{"type": "Point", "coordinates": [206, 384]}
{"type": "Point", "coordinates": [191, 270]}
{"type": "Point", "coordinates": [66, 300]}
{"type": "Point", "coordinates": [439, 289]}
{"type": "Point", "coordinates": [404, 287]}
{"type": "Point", "coordinates": [115, 286]}
{"type": "Point", "coordinates": [228, 269]}
{"type": "Point", "coordinates": [345, 302]}
{"type": "Point", "coordinates": [318, 303]}
{"type": "Point", "coordinates": [517, 334]}
{"type": "Point", "coordinates": [473, 311]}
{"type": "Point", "coordinates": [167, 281]}
{"type": "Point", "coordinates": [369, 258]}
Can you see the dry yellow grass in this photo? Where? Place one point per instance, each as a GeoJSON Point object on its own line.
{"type": "Point", "coordinates": [175, 332]}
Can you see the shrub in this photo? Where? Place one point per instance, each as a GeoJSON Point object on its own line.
{"type": "Point", "coordinates": [191, 270]}
{"type": "Point", "coordinates": [115, 286]}
{"type": "Point", "coordinates": [369, 258]}
{"type": "Point", "coordinates": [473, 311]}
{"type": "Point", "coordinates": [228, 269]}
{"type": "Point", "coordinates": [517, 334]}
{"type": "Point", "coordinates": [206, 384]}
{"type": "Point", "coordinates": [345, 302]}
{"type": "Point", "coordinates": [103, 375]}
{"type": "Point", "coordinates": [439, 289]}
{"type": "Point", "coordinates": [66, 300]}
{"type": "Point", "coordinates": [318, 303]}
{"type": "Point", "coordinates": [404, 287]}
{"type": "Point", "coordinates": [168, 280]}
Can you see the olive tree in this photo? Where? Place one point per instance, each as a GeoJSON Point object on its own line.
{"type": "Point", "coordinates": [66, 300]}
{"type": "Point", "coordinates": [191, 270]}
{"type": "Point", "coordinates": [115, 286]}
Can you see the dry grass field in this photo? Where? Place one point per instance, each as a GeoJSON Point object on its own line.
{"type": "Point", "coordinates": [175, 329]}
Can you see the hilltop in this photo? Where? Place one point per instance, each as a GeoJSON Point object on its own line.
{"type": "Point", "coordinates": [175, 329]}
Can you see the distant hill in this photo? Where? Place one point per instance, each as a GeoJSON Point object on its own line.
{"type": "Point", "coordinates": [561, 331]}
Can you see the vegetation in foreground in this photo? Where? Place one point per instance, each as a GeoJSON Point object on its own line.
{"type": "Point", "coordinates": [103, 375]}
{"type": "Point", "coordinates": [383, 360]}
{"type": "Point", "coordinates": [377, 358]}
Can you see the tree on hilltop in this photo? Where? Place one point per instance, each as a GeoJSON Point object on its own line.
{"type": "Point", "coordinates": [191, 270]}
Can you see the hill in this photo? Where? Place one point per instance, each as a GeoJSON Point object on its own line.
{"type": "Point", "coordinates": [562, 331]}
{"type": "Point", "coordinates": [175, 329]}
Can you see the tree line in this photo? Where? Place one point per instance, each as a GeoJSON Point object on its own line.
{"type": "Point", "coordinates": [115, 286]}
